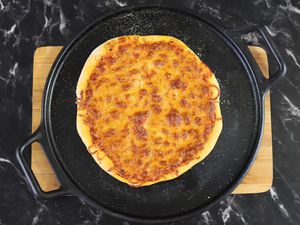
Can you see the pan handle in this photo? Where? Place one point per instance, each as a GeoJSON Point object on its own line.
{"type": "Point", "coordinates": [265, 84]}
{"type": "Point", "coordinates": [37, 136]}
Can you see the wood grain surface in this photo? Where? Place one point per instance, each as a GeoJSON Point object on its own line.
{"type": "Point", "coordinates": [259, 178]}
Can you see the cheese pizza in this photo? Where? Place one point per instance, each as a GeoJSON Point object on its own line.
{"type": "Point", "coordinates": [147, 108]}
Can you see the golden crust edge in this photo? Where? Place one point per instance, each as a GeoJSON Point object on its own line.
{"type": "Point", "coordinates": [83, 130]}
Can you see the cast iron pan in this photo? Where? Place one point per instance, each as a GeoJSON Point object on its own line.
{"type": "Point", "coordinates": [242, 86]}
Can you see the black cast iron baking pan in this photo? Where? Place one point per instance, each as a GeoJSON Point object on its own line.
{"type": "Point", "coordinates": [242, 94]}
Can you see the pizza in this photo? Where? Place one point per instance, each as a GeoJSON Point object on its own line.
{"type": "Point", "coordinates": [148, 108]}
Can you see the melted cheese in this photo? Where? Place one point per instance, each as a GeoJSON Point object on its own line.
{"type": "Point", "coordinates": [148, 108]}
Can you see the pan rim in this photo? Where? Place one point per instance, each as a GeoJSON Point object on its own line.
{"type": "Point", "coordinates": [76, 190]}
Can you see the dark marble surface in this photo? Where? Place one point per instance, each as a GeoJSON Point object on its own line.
{"type": "Point", "coordinates": [25, 25]}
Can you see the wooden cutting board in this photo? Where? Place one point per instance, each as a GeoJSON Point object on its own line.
{"type": "Point", "coordinates": [259, 179]}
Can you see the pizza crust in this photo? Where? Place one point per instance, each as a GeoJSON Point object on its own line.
{"type": "Point", "coordinates": [106, 163]}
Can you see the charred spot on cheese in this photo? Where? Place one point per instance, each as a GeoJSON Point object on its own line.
{"type": "Point", "coordinates": [175, 63]}
{"type": "Point", "coordinates": [110, 133]}
{"type": "Point", "coordinates": [133, 72]}
{"type": "Point", "coordinates": [140, 117]}
{"type": "Point", "coordinates": [156, 98]}
{"type": "Point", "coordinates": [143, 92]}
{"type": "Point", "coordinates": [115, 114]}
{"type": "Point", "coordinates": [198, 120]}
{"type": "Point", "coordinates": [149, 106]}
{"type": "Point", "coordinates": [178, 84]}
{"type": "Point", "coordinates": [163, 56]}
{"type": "Point", "coordinates": [100, 68]}
{"type": "Point", "coordinates": [168, 75]}
{"type": "Point", "coordinates": [110, 60]}
{"type": "Point", "coordinates": [159, 63]}
{"type": "Point", "coordinates": [121, 104]}
{"type": "Point", "coordinates": [122, 48]}
{"type": "Point", "coordinates": [175, 135]}
{"type": "Point", "coordinates": [174, 117]}
{"type": "Point", "coordinates": [126, 86]}
{"type": "Point", "coordinates": [140, 132]}
{"type": "Point", "coordinates": [186, 118]}
{"type": "Point", "coordinates": [156, 108]}
{"type": "Point", "coordinates": [183, 102]}
{"type": "Point", "coordinates": [108, 98]}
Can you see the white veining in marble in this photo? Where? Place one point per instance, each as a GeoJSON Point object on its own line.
{"type": "Point", "coordinates": [1, 5]}
{"type": "Point", "coordinates": [206, 218]}
{"type": "Point", "coordinates": [50, 22]}
{"type": "Point", "coordinates": [12, 72]}
{"type": "Point", "coordinates": [291, 54]}
{"type": "Point", "coordinates": [5, 160]}
{"type": "Point", "coordinates": [230, 207]}
{"type": "Point", "coordinates": [63, 22]}
{"type": "Point", "coordinates": [202, 6]}
{"type": "Point", "coordinates": [120, 3]}
{"type": "Point", "coordinates": [111, 3]}
{"type": "Point", "coordinates": [96, 214]}
{"type": "Point", "coordinates": [276, 26]}
{"type": "Point", "coordinates": [288, 185]}
{"type": "Point", "coordinates": [40, 210]}
{"type": "Point", "coordinates": [251, 38]}
{"type": "Point", "coordinates": [14, 31]}
{"type": "Point", "coordinates": [226, 212]}
{"type": "Point", "coordinates": [5, 80]}
{"type": "Point", "coordinates": [292, 12]}
{"type": "Point", "coordinates": [293, 111]}
{"type": "Point", "coordinates": [47, 23]}
{"type": "Point", "coordinates": [274, 31]}
{"type": "Point", "coordinates": [288, 132]}
{"type": "Point", "coordinates": [268, 4]}
{"type": "Point", "coordinates": [8, 33]}
{"type": "Point", "coordinates": [18, 172]}
{"type": "Point", "coordinates": [81, 15]}
{"type": "Point", "coordinates": [11, 33]}
{"type": "Point", "coordinates": [290, 116]}
{"type": "Point", "coordinates": [276, 199]}
{"type": "Point", "coordinates": [290, 7]}
{"type": "Point", "coordinates": [11, 79]}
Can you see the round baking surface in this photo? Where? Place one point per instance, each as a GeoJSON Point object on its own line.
{"type": "Point", "coordinates": [213, 177]}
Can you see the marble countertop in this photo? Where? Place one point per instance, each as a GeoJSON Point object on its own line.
{"type": "Point", "coordinates": [26, 25]}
